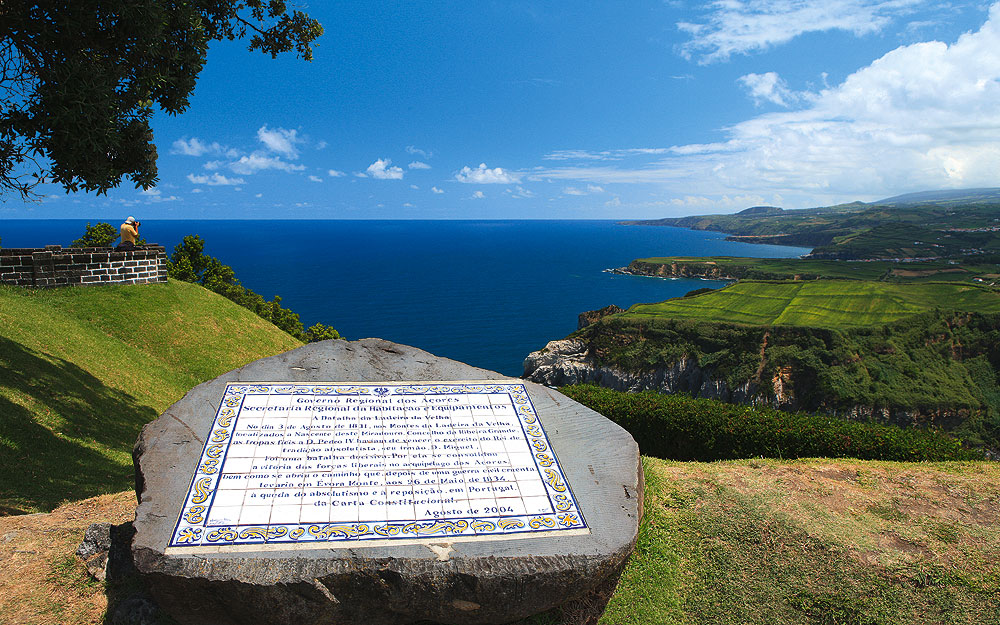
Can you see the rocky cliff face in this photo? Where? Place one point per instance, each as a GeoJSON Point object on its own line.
{"type": "Point", "coordinates": [571, 361]}
{"type": "Point", "coordinates": [708, 270]}
{"type": "Point", "coordinates": [592, 316]}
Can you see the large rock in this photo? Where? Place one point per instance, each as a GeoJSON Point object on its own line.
{"type": "Point", "coordinates": [438, 581]}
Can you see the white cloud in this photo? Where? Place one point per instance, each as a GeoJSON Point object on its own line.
{"type": "Point", "coordinates": [414, 187]}
{"type": "Point", "coordinates": [320, 145]}
{"type": "Point", "coordinates": [925, 115]}
{"type": "Point", "coordinates": [485, 175]}
{"type": "Point", "coordinates": [478, 195]}
{"type": "Point", "coordinates": [280, 140]}
{"type": "Point", "coordinates": [418, 165]}
{"type": "Point", "coordinates": [196, 190]}
{"type": "Point", "coordinates": [197, 147]}
{"type": "Point", "coordinates": [162, 198]}
{"type": "Point", "coordinates": [214, 180]}
{"type": "Point", "coordinates": [408, 205]}
{"type": "Point", "coordinates": [360, 174]}
{"type": "Point", "coordinates": [418, 152]}
{"type": "Point", "coordinates": [591, 188]}
{"type": "Point", "coordinates": [315, 178]}
{"type": "Point", "coordinates": [745, 26]}
{"type": "Point", "coordinates": [258, 161]}
{"type": "Point", "coordinates": [333, 173]}
{"type": "Point", "coordinates": [436, 190]}
{"type": "Point", "coordinates": [259, 195]}
{"type": "Point", "coordinates": [382, 169]}
{"type": "Point", "coordinates": [604, 155]}
{"type": "Point", "coordinates": [520, 192]}
{"type": "Point", "coordinates": [768, 87]}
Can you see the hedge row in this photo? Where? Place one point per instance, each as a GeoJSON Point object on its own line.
{"type": "Point", "coordinates": [678, 427]}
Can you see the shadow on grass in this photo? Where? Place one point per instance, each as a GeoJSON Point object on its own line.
{"type": "Point", "coordinates": [39, 463]}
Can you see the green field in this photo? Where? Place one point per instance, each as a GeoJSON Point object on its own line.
{"type": "Point", "coordinates": [824, 303]}
{"type": "Point", "coordinates": [83, 369]}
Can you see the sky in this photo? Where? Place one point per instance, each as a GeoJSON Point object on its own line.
{"type": "Point", "coordinates": [579, 110]}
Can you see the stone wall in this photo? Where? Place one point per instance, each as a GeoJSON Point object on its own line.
{"type": "Point", "coordinates": [54, 266]}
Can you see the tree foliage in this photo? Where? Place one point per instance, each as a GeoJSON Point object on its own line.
{"type": "Point", "coordinates": [101, 234]}
{"type": "Point", "coordinates": [80, 79]}
{"type": "Point", "coordinates": [190, 263]}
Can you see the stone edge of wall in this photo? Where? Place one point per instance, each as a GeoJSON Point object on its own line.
{"type": "Point", "coordinates": [53, 266]}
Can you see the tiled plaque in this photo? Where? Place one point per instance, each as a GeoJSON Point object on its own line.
{"type": "Point", "coordinates": [319, 464]}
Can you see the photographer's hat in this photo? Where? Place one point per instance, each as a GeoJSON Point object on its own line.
{"type": "Point", "coordinates": [130, 219]}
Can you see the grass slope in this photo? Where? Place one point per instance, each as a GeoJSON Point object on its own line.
{"type": "Point", "coordinates": [826, 303]}
{"type": "Point", "coordinates": [83, 369]}
{"type": "Point", "coordinates": [814, 541]}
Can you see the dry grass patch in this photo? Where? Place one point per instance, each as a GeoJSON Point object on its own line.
{"type": "Point", "coordinates": [816, 541]}
{"type": "Point", "coordinates": [43, 582]}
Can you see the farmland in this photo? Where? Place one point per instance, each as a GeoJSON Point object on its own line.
{"type": "Point", "coordinates": [826, 303]}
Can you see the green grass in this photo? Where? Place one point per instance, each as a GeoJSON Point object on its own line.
{"type": "Point", "coordinates": [83, 369]}
{"type": "Point", "coordinates": [825, 303]}
{"type": "Point", "coordinates": [774, 542]}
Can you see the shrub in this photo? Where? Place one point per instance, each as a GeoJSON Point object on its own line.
{"type": "Point", "coordinates": [101, 234]}
{"type": "Point", "coordinates": [678, 427]}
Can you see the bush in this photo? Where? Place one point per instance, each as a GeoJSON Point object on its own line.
{"type": "Point", "coordinates": [698, 292]}
{"type": "Point", "coordinates": [678, 427]}
{"type": "Point", "coordinates": [101, 234]}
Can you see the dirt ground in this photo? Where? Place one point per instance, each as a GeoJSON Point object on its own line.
{"type": "Point", "coordinates": [43, 582]}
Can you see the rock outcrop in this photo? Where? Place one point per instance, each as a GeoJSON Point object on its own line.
{"type": "Point", "coordinates": [434, 580]}
{"type": "Point", "coordinates": [570, 361]}
{"type": "Point", "coordinates": [592, 316]}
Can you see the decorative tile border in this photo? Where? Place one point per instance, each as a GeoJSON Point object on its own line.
{"type": "Point", "coordinates": [435, 423]}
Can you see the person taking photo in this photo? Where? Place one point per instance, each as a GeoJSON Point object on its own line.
{"type": "Point", "coordinates": [129, 234]}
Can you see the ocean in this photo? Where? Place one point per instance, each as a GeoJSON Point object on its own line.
{"type": "Point", "coordinates": [483, 292]}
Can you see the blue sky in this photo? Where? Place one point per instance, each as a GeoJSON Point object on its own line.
{"type": "Point", "coordinates": [578, 110]}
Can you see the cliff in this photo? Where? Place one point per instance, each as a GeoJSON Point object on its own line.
{"type": "Point", "coordinates": [934, 369]}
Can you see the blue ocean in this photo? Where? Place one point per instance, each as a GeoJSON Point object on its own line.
{"type": "Point", "coordinates": [483, 292]}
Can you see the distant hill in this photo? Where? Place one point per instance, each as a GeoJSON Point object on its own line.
{"type": "Point", "coordinates": [761, 210]}
{"type": "Point", "coordinates": [960, 225]}
{"type": "Point", "coordinates": [950, 197]}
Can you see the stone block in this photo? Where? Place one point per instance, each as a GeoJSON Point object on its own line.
{"type": "Point", "coordinates": [440, 579]}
